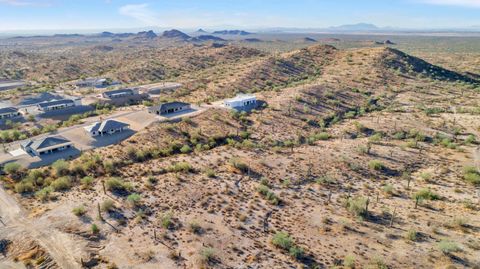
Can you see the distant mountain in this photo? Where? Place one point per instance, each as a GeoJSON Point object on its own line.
{"type": "Point", "coordinates": [146, 34]}
{"type": "Point", "coordinates": [202, 38]}
{"type": "Point", "coordinates": [231, 32]}
{"type": "Point", "coordinates": [201, 31]}
{"type": "Point", "coordinates": [113, 35]}
{"type": "Point", "coordinates": [355, 27]}
{"type": "Point", "coordinates": [67, 35]}
{"type": "Point", "coordinates": [309, 39]}
{"type": "Point", "coordinates": [175, 34]}
{"type": "Point", "coordinates": [252, 40]}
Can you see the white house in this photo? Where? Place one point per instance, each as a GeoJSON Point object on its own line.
{"type": "Point", "coordinates": [92, 82]}
{"type": "Point", "coordinates": [8, 113]}
{"type": "Point", "coordinates": [58, 104]}
{"type": "Point", "coordinates": [120, 93]}
{"type": "Point", "coordinates": [241, 101]}
{"type": "Point", "coordinates": [46, 145]}
{"type": "Point", "coordinates": [106, 127]}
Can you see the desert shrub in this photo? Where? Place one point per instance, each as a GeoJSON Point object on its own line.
{"type": "Point", "coordinates": [425, 194]}
{"type": "Point", "coordinates": [207, 254]}
{"type": "Point", "coordinates": [448, 247]}
{"type": "Point", "coordinates": [79, 211]}
{"type": "Point", "coordinates": [166, 220]}
{"type": "Point", "coordinates": [375, 138]}
{"type": "Point", "coordinates": [471, 175]}
{"type": "Point", "coordinates": [411, 235]}
{"type": "Point", "coordinates": [210, 173]}
{"type": "Point", "coordinates": [35, 175]}
{"type": "Point", "coordinates": [108, 167]}
{"type": "Point", "coordinates": [134, 199]}
{"type": "Point", "coordinates": [44, 194]}
{"type": "Point", "coordinates": [376, 165]}
{"type": "Point", "coordinates": [426, 176]}
{"type": "Point", "coordinates": [107, 205]}
{"type": "Point", "coordinates": [180, 167]}
{"type": "Point", "coordinates": [388, 189]}
{"type": "Point", "coordinates": [86, 181]}
{"type": "Point", "coordinates": [282, 240]}
{"type": "Point", "coordinates": [268, 194]}
{"type": "Point", "coordinates": [195, 227]}
{"type": "Point", "coordinates": [94, 228]}
{"type": "Point", "coordinates": [296, 252]}
{"type": "Point", "coordinates": [244, 134]}
{"type": "Point", "coordinates": [24, 186]}
{"type": "Point", "coordinates": [357, 206]}
{"type": "Point", "coordinates": [325, 180]}
{"type": "Point", "coordinates": [377, 263]}
{"type": "Point", "coordinates": [349, 261]}
{"type": "Point", "coordinates": [186, 149]}
{"type": "Point", "coordinates": [117, 185]}
{"type": "Point", "coordinates": [12, 169]}
{"type": "Point", "coordinates": [400, 135]}
{"type": "Point", "coordinates": [60, 167]}
{"type": "Point", "coordinates": [319, 136]}
{"type": "Point", "coordinates": [470, 139]}
{"type": "Point", "coordinates": [237, 164]}
{"type": "Point", "coordinates": [61, 184]}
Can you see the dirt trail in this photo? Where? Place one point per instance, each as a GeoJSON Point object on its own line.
{"type": "Point", "coordinates": [58, 245]}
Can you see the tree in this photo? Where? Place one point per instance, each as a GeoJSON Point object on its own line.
{"type": "Point", "coordinates": [60, 167]}
{"type": "Point", "coordinates": [12, 169]}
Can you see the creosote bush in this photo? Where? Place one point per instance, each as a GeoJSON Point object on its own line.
{"type": "Point", "coordinates": [61, 184]}
{"type": "Point", "coordinates": [448, 247]}
{"type": "Point", "coordinates": [268, 194]}
{"type": "Point", "coordinates": [411, 235]}
{"type": "Point", "coordinates": [471, 175]}
{"type": "Point", "coordinates": [357, 206]}
{"type": "Point", "coordinates": [79, 211]}
{"type": "Point", "coordinates": [207, 254]}
{"type": "Point", "coordinates": [284, 241]}
{"type": "Point", "coordinates": [180, 167]}
{"type": "Point", "coordinates": [166, 220]}
{"type": "Point", "coordinates": [425, 194]}
{"type": "Point", "coordinates": [107, 205]}
{"type": "Point", "coordinates": [116, 184]}
{"type": "Point", "coordinates": [376, 165]}
{"type": "Point", "coordinates": [134, 199]}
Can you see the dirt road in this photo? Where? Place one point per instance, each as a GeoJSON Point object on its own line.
{"type": "Point", "coordinates": [59, 246]}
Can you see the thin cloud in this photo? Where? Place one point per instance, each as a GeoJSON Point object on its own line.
{"type": "Point", "coordinates": [140, 12]}
{"type": "Point", "coordinates": [461, 3]}
{"type": "Point", "coordinates": [24, 3]}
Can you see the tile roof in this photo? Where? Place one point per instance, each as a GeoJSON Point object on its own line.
{"type": "Point", "coordinates": [8, 110]}
{"type": "Point", "coordinates": [56, 103]}
{"type": "Point", "coordinates": [171, 105]}
{"type": "Point", "coordinates": [106, 126]}
{"type": "Point", "coordinates": [45, 142]}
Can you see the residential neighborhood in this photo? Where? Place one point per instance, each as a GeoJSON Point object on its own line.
{"type": "Point", "coordinates": [97, 131]}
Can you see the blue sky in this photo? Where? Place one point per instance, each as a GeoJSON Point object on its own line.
{"type": "Point", "coordinates": [248, 14]}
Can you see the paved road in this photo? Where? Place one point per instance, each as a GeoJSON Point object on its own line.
{"type": "Point", "coordinates": [57, 244]}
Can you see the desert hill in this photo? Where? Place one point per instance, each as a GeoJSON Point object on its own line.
{"type": "Point", "coordinates": [355, 158]}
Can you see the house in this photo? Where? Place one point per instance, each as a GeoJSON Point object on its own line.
{"type": "Point", "coordinates": [46, 145]}
{"type": "Point", "coordinates": [92, 82]}
{"type": "Point", "coordinates": [241, 101]}
{"type": "Point", "coordinates": [58, 104]}
{"type": "Point", "coordinates": [120, 93]}
{"type": "Point", "coordinates": [8, 112]}
{"type": "Point", "coordinates": [168, 108]}
{"type": "Point", "coordinates": [107, 127]}
{"type": "Point", "coordinates": [11, 84]}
